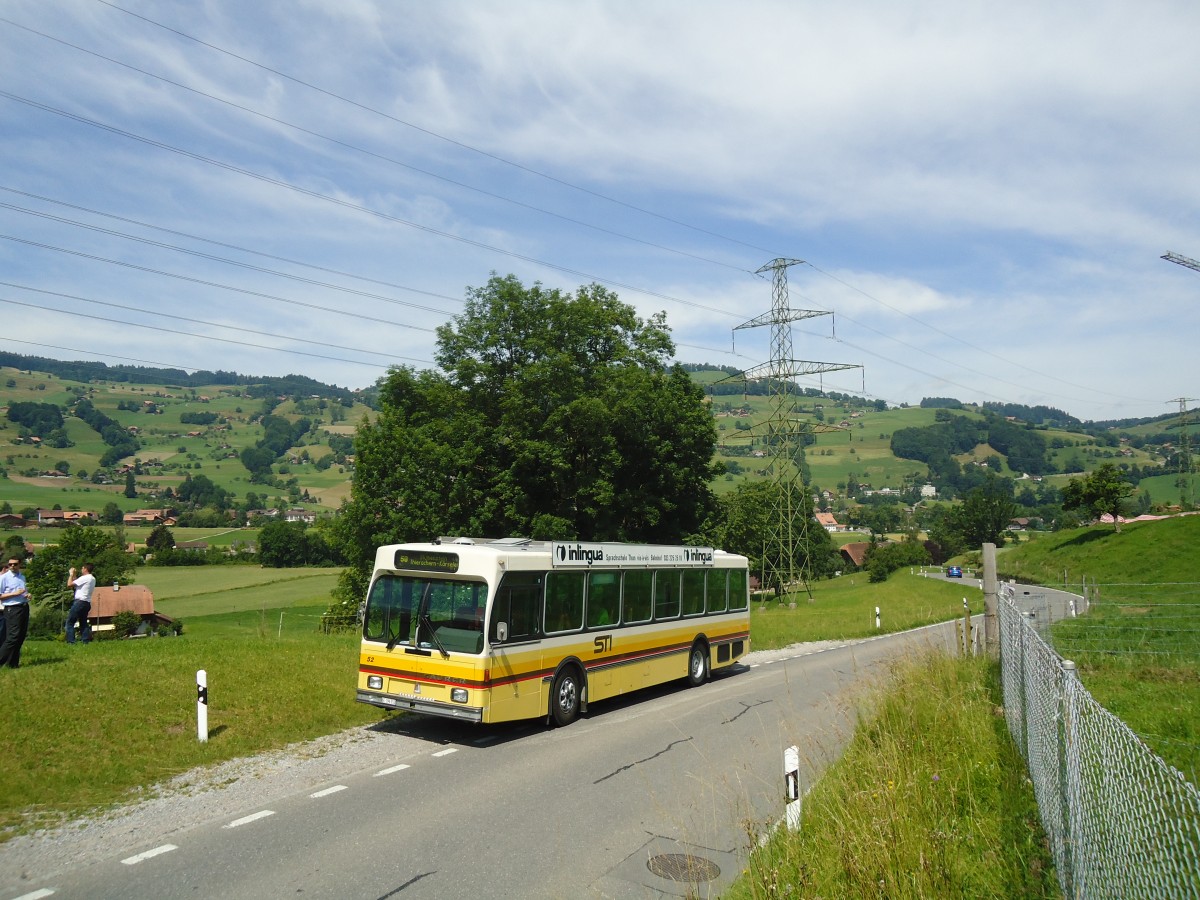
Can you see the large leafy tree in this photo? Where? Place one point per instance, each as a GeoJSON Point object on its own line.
{"type": "Point", "coordinates": [47, 572]}
{"type": "Point", "coordinates": [1104, 491]}
{"type": "Point", "coordinates": [553, 415]}
{"type": "Point", "coordinates": [982, 518]}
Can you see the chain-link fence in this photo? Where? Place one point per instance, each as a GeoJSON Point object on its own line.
{"type": "Point", "coordinates": [1121, 822]}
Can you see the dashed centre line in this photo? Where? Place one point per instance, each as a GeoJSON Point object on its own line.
{"type": "Point", "coordinates": [149, 854]}
{"type": "Point", "coordinates": [328, 791]}
{"type": "Point", "coordinates": [446, 752]}
{"type": "Point", "coordinates": [391, 770]}
{"type": "Point", "coordinates": [246, 820]}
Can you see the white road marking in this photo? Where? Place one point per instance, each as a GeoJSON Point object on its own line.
{"type": "Point", "coordinates": [399, 768]}
{"type": "Point", "coordinates": [446, 752]}
{"type": "Point", "coordinates": [328, 791]}
{"type": "Point", "coordinates": [149, 854]}
{"type": "Point", "coordinates": [248, 819]}
{"type": "Point", "coordinates": [36, 895]}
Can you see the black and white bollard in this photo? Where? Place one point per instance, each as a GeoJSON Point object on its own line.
{"type": "Point", "coordinates": [791, 782]}
{"type": "Point", "coordinates": [877, 617]}
{"type": "Point", "coordinates": [202, 706]}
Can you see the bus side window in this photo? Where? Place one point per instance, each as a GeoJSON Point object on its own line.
{"type": "Point", "coordinates": [718, 580]}
{"type": "Point", "coordinates": [666, 594]}
{"type": "Point", "coordinates": [739, 595]}
{"type": "Point", "coordinates": [693, 592]}
{"type": "Point", "coordinates": [638, 596]}
{"type": "Point", "coordinates": [564, 601]}
{"type": "Point", "coordinates": [603, 599]}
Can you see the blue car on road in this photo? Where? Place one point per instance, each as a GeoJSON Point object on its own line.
{"type": "Point", "coordinates": [953, 572]}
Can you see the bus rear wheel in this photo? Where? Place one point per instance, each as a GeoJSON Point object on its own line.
{"type": "Point", "coordinates": [564, 699]}
{"type": "Point", "coordinates": [698, 664]}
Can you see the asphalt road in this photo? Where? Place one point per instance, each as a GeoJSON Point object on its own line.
{"type": "Point", "coordinates": [657, 795]}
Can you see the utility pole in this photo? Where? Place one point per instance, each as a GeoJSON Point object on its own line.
{"type": "Point", "coordinates": [786, 555]}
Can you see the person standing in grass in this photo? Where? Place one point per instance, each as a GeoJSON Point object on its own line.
{"type": "Point", "coordinates": [14, 598]}
{"type": "Point", "coordinates": [84, 584]}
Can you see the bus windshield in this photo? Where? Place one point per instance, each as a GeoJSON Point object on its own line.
{"type": "Point", "coordinates": [425, 613]}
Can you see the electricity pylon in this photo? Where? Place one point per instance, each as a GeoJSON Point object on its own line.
{"type": "Point", "coordinates": [786, 559]}
{"type": "Point", "coordinates": [1185, 455]}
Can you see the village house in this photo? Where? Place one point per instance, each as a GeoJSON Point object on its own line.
{"type": "Point", "coordinates": [60, 517]}
{"type": "Point", "coordinates": [107, 601]}
{"type": "Point", "coordinates": [149, 517]}
{"type": "Point", "coordinates": [829, 523]}
{"type": "Point", "coordinates": [855, 554]}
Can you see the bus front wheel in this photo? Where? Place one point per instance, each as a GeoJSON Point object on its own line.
{"type": "Point", "coordinates": [698, 664]}
{"type": "Point", "coordinates": [564, 701]}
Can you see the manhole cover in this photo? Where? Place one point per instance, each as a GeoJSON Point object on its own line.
{"type": "Point", "coordinates": [683, 867]}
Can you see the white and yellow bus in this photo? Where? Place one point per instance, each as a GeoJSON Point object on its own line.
{"type": "Point", "coordinates": [496, 630]}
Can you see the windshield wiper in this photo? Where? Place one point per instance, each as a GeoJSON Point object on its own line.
{"type": "Point", "coordinates": [424, 620]}
{"type": "Point", "coordinates": [391, 645]}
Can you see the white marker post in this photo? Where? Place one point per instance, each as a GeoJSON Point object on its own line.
{"type": "Point", "coordinates": [202, 706]}
{"type": "Point", "coordinates": [877, 617]}
{"type": "Point", "coordinates": [791, 782]}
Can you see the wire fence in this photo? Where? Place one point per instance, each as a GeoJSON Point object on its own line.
{"type": "Point", "coordinates": [1122, 823]}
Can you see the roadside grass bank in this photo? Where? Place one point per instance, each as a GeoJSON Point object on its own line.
{"type": "Point", "coordinates": [1138, 648]}
{"type": "Point", "coordinates": [930, 799]}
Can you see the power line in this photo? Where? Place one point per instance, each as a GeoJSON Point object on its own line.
{"type": "Point", "coordinates": [92, 352]}
{"type": "Point", "coordinates": [151, 312]}
{"type": "Point", "coordinates": [204, 282]}
{"type": "Point", "coordinates": [357, 362]}
{"type": "Point", "coordinates": [240, 249]}
{"type": "Point", "coordinates": [373, 154]}
{"type": "Point", "coordinates": [427, 131]}
{"type": "Point", "coordinates": [357, 207]}
{"type": "Point", "coordinates": [220, 259]}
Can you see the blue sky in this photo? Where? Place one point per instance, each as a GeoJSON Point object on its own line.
{"type": "Point", "coordinates": [981, 193]}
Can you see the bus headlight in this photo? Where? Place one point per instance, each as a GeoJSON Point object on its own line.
{"type": "Point", "coordinates": [458, 695]}
{"type": "Point", "coordinates": [375, 682]}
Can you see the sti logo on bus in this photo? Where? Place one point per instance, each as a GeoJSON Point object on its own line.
{"type": "Point", "coordinates": [579, 553]}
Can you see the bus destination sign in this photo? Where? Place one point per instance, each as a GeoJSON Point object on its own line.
{"type": "Point", "coordinates": [426, 561]}
{"type": "Point", "coordinates": [575, 554]}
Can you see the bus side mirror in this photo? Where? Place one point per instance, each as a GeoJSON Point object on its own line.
{"type": "Point", "coordinates": [501, 632]}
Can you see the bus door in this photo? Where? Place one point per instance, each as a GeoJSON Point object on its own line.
{"type": "Point", "coordinates": [515, 662]}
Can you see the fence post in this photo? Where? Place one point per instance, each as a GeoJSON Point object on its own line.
{"type": "Point", "coordinates": [966, 628]}
{"type": "Point", "coordinates": [1022, 632]}
{"type": "Point", "coordinates": [991, 633]}
{"type": "Point", "coordinates": [1066, 740]}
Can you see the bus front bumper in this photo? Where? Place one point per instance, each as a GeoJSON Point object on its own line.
{"type": "Point", "coordinates": [425, 707]}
